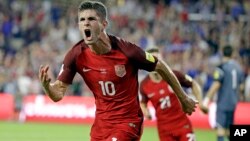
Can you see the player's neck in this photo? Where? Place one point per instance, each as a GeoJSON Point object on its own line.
{"type": "Point", "coordinates": [155, 77]}
{"type": "Point", "coordinates": [226, 59]}
{"type": "Point", "coordinates": [102, 45]}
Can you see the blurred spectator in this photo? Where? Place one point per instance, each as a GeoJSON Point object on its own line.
{"type": "Point", "coordinates": [236, 9]}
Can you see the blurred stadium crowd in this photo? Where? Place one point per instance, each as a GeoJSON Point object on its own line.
{"type": "Point", "coordinates": [189, 34]}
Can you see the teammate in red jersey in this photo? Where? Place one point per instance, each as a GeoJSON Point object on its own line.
{"type": "Point", "coordinates": [172, 123]}
{"type": "Point", "coordinates": [109, 66]}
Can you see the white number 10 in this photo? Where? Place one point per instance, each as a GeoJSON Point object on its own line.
{"type": "Point", "coordinates": [108, 87]}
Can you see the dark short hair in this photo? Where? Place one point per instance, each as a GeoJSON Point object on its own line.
{"type": "Point", "coordinates": [99, 7]}
{"type": "Point", "coordinates": [227, 51]}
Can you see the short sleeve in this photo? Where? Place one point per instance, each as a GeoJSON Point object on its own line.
{"type": "Point", "coordinates": [68, 68]}
{"type": "Point", "coordinates": [218, 74]}
{"type": "Point", "coordinates": [138, 57]}
{"type": "Point", "coordinates": [142, 59]}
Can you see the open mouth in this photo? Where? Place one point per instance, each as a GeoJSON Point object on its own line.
{"type": "Point", "coordinates": [87, 33]}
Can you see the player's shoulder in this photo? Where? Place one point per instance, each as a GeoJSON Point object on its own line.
{"type": "Point", "coordinates": [237, 65]}
{"type": "Point", "coordinates": [230, 65]}
{"type": "Point", "coordinates": [219, 71]}
{"type": "Point", "coordinates": [145, 80]}
{"type": "Point", "coordinates": [131, 50]}
{"type": "Point", "coordinates": [119, 41]}
{"type": "Point", "coordinates": [220, 67]}
{"type": "Point", "coordinates": [77, 48]}
{"type": "Point", "coordinates": [78, 45]}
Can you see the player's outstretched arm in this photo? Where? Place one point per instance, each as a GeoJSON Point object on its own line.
{"type": "Point", "coordinates": [188, 104]}
{"type": "Point", "coordinates": [54, 90]}
{"type": "Point", "coordinates": [211, 92]}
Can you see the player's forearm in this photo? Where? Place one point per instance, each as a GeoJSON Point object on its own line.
{"type": "Point", "coordinates": [167, 74]}
{"type": "Point", "coordinates": [196, 89]}
{"type": "Point", "coordinates": [145, 110]}
{"type": "Point", "coordinates": [56, 90]}
{"type": "Point", "coordinates": [211, 92]}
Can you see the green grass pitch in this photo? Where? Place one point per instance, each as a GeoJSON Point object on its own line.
{"type": "Point", "coordinates": [14, 131]}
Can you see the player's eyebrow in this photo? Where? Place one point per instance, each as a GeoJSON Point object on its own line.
{"type": "Point", "coordinates": [82, 19]}
{"type": "Point", "coordinates": [89, 18]}
{"type": "Point", "coordinates": [92, 18]}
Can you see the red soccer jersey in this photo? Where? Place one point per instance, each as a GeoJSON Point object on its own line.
{"type": "Point", "coordinates": [169, 114]}
{"type": "Point", "coordinates": [112, 77]}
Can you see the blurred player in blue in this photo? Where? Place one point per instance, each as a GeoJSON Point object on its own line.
{"type": "Point", "coordinates": [228, 78]}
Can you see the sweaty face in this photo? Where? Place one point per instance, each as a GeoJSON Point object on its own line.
{"type": "Point", "coordinates": [90, 26]}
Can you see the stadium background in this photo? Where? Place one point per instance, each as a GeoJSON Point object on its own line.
{"type": "Point", "coordinates": [189, 34]}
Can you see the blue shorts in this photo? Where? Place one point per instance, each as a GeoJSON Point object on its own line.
{"type": "Point", "coordinates": [224, 119]}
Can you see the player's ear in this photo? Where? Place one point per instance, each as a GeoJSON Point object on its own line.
{"type": "Point", "coordinates": [105, 24]}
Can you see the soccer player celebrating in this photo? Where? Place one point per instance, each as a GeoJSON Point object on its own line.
{"type": "Point", "coordinates": [109, 66]}
{"type": "Point", "coordinates": [172, 123]}
{"type": "Point", "coordinates": [228, 81]}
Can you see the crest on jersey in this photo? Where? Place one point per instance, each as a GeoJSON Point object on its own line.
{"type": "Point", "coordinates": [120, 70]}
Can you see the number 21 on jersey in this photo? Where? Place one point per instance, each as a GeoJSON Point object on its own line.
{"type": "Point", "coordinates": [165, 102]}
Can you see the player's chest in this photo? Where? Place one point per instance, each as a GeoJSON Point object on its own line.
{"type": "Point", "coordinates": [158, 91]}
{"type": "Point", "coordinates": [112, 66]}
